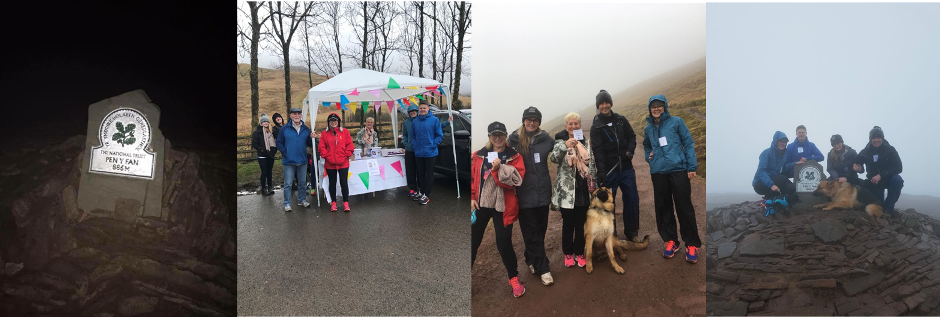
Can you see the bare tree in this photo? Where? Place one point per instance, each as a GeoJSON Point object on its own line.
{"type": "Point", "coordinates": [293, 15]}
{"type": "Point", "coordinates": [328, 56]}
{"type": "Point", "coordinates": [463, 24]}
{"type": "Point", "coordinates": [251, 42]}
{"type": "Point", "coordinates": [306, 56]}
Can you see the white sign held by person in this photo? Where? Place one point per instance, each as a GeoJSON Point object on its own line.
{"type": "Point", "coordinates": [125, 145]}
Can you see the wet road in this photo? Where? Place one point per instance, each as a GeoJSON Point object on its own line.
{"type": "Point", "coordinates": [388, 256]}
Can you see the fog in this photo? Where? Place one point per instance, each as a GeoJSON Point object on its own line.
{"type": "Point", "coordinates": [835, 68]}
{"type": "Point", "coordinates": [557, 57]}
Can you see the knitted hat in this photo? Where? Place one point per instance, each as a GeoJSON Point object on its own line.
{"type": "Point", "coordinates": [603, 97]}
{"type": "Point", "coordinates": [264, 118]}
{"type": "Point", "coordinates": [532, 112]}
{"type": "Point", "coordinates": [876, 133]}
{"type": "Point", "coordinates": [835, 139]}
{"type": "Point", "coordinates": [275, 116]}
{"type": "Point", "coordinates": [496, 126]}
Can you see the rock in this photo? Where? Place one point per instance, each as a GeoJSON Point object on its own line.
{"type": "Point", "coordinates": [893, 309]}
{"type": "Point", "coordinates": [829, 232]}
{"type": "Point", "coordinates": [126, 209]}
{"type": "Point", "coordinates": [845, 307]}
{"type": "Point", "coordinates": [822, 283]}
{"type": "Point", "coordinates": [137, 305]}
{"type": "Point", "coordinates": [21, 214]}
{"type": "Point", "coordinates": [68, 201]}
{"type": "Point", "coordinates": [726, 249]}
{"type": "Point", "coordinates": [717, 235]}
{"type": "Point", "coordinates": [712, 288]}
{"type": "Point", "coordinates": [106, 271]}
{"type": "Point", "coordinates": [775, 285]}
{"type": "Point", "coordinates": [727, 308]}
{"type": "Point", "coordinates": [860, 284]}
{"type": "Point", "coordinates": [756, 306]}
{"type": "Point", "coordinates": [723, 275]}
{"type": "Point", "coordinates": [763, 247]}
{"type": "Point", "coordinates": [913, 301]}
{"type": "Point", "coordinates": [11, 269]}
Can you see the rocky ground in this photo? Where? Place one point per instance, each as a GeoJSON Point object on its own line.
{"type": "Point", "coordinates": [59, 260]}
{"type": "Point", "coordinates": [821, 263]}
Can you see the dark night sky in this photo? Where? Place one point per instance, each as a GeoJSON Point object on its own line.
{"type": "Point", "coordinates": [58, 59]}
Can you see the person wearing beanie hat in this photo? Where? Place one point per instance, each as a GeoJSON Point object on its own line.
{"type": "Point", "coordinates": [263, 140]}
{"type": "Point", "coordinates": [535, 193]}
{"type": "Point", "coordinates": [336, 146]}
{"type": "Point", "coordinates": [884, 168]}
{"type": "Point", "coordinates": [801, 151]}
{"type": "Point", "coordinates": [613, 142]}
{"type": "Point", "coordinates": [839, 162]}
{"type": "Point", "coordinates": [493, 188]}
{"type": "Point", "coordinates": [293, 140]}
{"type": "Point", "coordinates": [670, 152]}
{"type": "Point", "coordinates": [769, 179]}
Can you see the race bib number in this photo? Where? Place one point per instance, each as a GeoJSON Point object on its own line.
{"type": "Point", "coordinates": [799, 150]}
{"type": "Point", "coordinates": [538, 159]}
{"type": "Point", "coordinates": [491, 156]}
{"type": "Point", "coordinates": [875, 157]}
{"type": "Point", "coordinates": [610, 124]}
{"type": "Point", "coordinates": [662, 141]}
{"type": "Point", "coordinates": [578, 134]}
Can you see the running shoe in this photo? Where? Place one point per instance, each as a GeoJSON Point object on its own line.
{"type": "Point", "coordinates": [670, 249]}
{"type": "Point", "coordinates": [581, 260]}
{"type": "Point", "coordinates": [569, 260]}
{"type": "Point", "coordinates": [547, 279]}
{"type": "Point", "coordinates": [691, 254]}
{"type": "Point", "coordinates": [333, 206]}
{"type": "Point", "coordinates": [424, 199]}
{"type": "Point", "coordinates": [517, 288]}
{"type": "Point", "coordinates": [346, 206]}
{"type": "Point", "coordinates": [286, 207]}
{"type": "Point", "coordinates": [411, 193]}
{"type": "Point", "coordinates": [417, 196]}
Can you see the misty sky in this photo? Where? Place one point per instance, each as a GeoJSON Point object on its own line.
{"type": "Point", "coordinates": [835, 68]}
{"type": "Point", "coordinates": [557, 57]}
{"type": "Point", "coordinates": [267, 57]}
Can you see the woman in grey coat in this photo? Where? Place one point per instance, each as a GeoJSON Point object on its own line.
{"type": "Point", "coordinates": [535, 193]}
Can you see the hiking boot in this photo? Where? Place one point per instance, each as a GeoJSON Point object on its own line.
{"type": "Point", "coordinates": [411, 193]}
{"type": "Point", "coordinates": [569, 260]}
{"type": "Point", "coordinates": [517, 288]}
{"type": "Point", "coordinates": [547, 279]}
{"type": "Point", "coordinates": [581, 261]}
{"type": "Point", "coordinates": [333, 206]}
{"type": "Point", "coordinates": [345, 206]}
{"type": "Point", "coordinates": [424, 199]}
{"type": "Point", "coordinates": [670, 249]}
{"type": "Point", "coordinates": [286, 208]}
{"type": "Point", "coordinates": [417, 196]}
{"type": "Point", "coordinates": [306, 204]}
{"type": "Point", "coordinates": [691, 254]}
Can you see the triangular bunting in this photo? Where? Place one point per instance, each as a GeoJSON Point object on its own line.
{"type": "Point", "coordinates": [353, 106]}
{"type": "Point", "coordinates": [389, 104]}
{"type": "Point", "coordinates": [326, 104]}
{"type": "Point", "coordinates": [348, 176]}
{"type": "Point", "coordinates": [413, 100]}
{"type": "Point", "coordinates": [375, 92]}
{"type": "Point", "coordinates": [392, 84]}
{"type": "Point", "coordinates": [355, 92]}
{"type": "Point", "coordinates": [420, 97]}
{"type": "Point", "coordinates": [382, 171]}
{"type": "Point", "coordinates": [364, 176]}
{"type": "Point", "coordinates": [406, 101]}
{"type": "Point", "coordinates": [430, 87]}
{"type": "Point", "coordinates": [397, 167]}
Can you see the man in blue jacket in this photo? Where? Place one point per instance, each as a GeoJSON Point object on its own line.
{"type": "Point", "coordinates": [884, 169]}
{"type": "Point", "coordinates": [801, 151]}
{"type": "Point", "coordinates": [293, 140]}
{"type": "Point", "coordinates": [670, 152]}
{"type": "Point", "coordinates": [426, 136]}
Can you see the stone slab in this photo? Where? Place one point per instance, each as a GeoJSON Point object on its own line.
{"type": "Point", "coordinates": [763, 247]}
{"type": "Point", "coordinates": [860, 284]}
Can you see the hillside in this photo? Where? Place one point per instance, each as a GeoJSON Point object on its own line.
{"type": "Point", "coordinates": [271, 93]}
{"type": "Point", "coordinates": [684, 88]}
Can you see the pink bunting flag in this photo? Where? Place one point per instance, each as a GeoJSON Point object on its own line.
{"type": "Point", "coordinates": [389, 104]}
{"type": "Point", "coordinates": [355, 92]}
{"type": "Point", "coordinates": [397, 167]}
{"type": "Point", "coordinates": [375, 92]}
{"type": "Point", "coordinates": [382, 171]}
{"type": "Point", "coordinates": [427, 94]}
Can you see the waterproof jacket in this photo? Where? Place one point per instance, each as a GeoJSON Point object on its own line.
{"type": "Point", "coordinates": [798, 150]}
{"type": "Point", "coordinates": [771, 162]}
{"type": "Point", "coordinates": [509, 192]}
{"type": "Point", "coordinates": [426, 136]}
{"type": "Point", "coordinates": [883, 160]}
{"type": "Point", "coordinates": [293, 143]}
{"type": "Point", "coordinates": [336, 147]}
{"type": "Point", "coordinates": [406, 130]}
{"type": "Point", "coordinates": [570, 188]}
{"type": "Point", "coordinates": [677, 153]}
{"type": "Point", "coordinates": [536, 188]}
{"type": "Point", "coordinates": [614, 142]}
{"type": "Point", "coordinates": [257, 143]}
{"type": "Point", "coordinates": [840, 165]}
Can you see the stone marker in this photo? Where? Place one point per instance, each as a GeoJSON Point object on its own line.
{"type": "Point", "coordinates": [122, 166]}
{"type": "Point", "coordinates": [806, 177]}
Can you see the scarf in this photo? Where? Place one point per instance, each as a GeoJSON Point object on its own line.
{"type": "Point", "coordinates": [579, 158]}
{"type": "Point", "coordinates": [268, 138]}
{"type": "Point", "coordinates": [368, 137]}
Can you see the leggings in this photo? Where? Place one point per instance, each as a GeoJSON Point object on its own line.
{"type": "Point", "coordinates": [573, 223]}
{"type": "Point", "coordinates": [503, 238]}
{"type": "Point", "coordinates": [425, 173]}
{"type": "Point", "coordinates": [266, 164]}
{"type": "Point", "coordinates": [343, 182]}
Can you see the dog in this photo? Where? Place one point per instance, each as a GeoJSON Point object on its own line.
{"type": "Point", "coordinates": [847, 196]}
{"type": "Point", "coordinates": [599, 232]}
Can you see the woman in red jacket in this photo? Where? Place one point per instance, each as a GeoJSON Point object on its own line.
{"type": "Point", "coordinates": [336, 147]}
{"type": "Point", "coordinates": [496, 170]}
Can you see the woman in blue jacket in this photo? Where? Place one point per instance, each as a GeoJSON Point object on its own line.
{"type": "Point", "coordinates": [670, 152]}
{"type": "Point", "coordinates": [426, 136]}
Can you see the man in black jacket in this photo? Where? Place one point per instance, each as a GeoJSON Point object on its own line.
{"type": "Point", "coordinates": [613, 142]}
{"type": "Point", "coordinates": [884, 169]}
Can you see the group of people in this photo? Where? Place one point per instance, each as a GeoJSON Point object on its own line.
{"type": "Point", "coordinates": [879, 159]}
{"type": "Point", "coordinates": [510, 180]}
{"type": "Point", "coordinates": [421, 135]}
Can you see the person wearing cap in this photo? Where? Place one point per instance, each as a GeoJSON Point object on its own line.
{"type": "Point", "coordinates": [884, 169]}
{"type": "Point", "coordinates": [614, 141]}
{"type": "Point", "coordinates": [263, 140]}
{"type": "Point", "coordinates": [336, 147]}
{"type": "Point", "coordinates": [572, 190]}
{"type": "Point", "coordinates": [367, 138]}
{"type": "Point", "coordinates": [425, 139]}
{"type": "Point", "coordinates": [769, 179]}
{"type": "Point", "coordinates": [410, 164]}
{"type": "Point", "coordinates": [800, 151]}
{"type": "Point", "coordinates": [293, 140]}
{"type": "Point", "coordinates": [495, 173]}
{"type": "Point", "coordinates": [840, 161]}
{"type": "Point", "coordinates": [535, 193]}
{"type": "Point", "coordinates": [670, 152]}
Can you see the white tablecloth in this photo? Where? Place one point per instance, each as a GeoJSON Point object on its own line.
{"type": "Point", "coordinates": [385, 173]}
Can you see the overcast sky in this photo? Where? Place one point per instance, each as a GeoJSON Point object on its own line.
{"type": "Point", "coordinates": [266, 58]}
{"type": "Point", "coordinates": [557, 57]}
{"type": "Point", "coordinates": [835, 68]}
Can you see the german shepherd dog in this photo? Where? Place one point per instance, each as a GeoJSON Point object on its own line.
{"type": "Point", "coordinates": [847, 196]}
{"type": "Point", "coordinates": [599, 232]}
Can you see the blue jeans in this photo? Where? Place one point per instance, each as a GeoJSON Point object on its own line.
{"type": "Point", "coordinates": [290, 171]}
{"type": "Point", "coordinates": [893, 186]}
{"type": "Point", "coordinates": [626, 181]}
